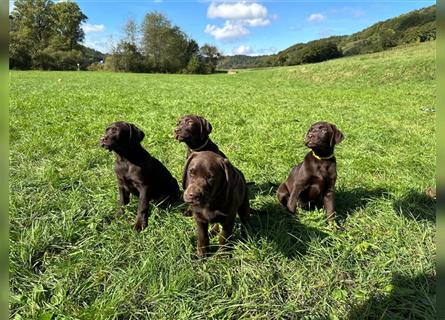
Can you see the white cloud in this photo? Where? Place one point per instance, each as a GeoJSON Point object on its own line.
{"type": "Point", "coordinates": [87, 28]}
{"type": "Point", "coordinates": [103, 44]}
{"type": "Point", "coordinates": [238, 16]}
{"type": "Point", "coordinates": [250, 51]}
{"type": "Point", "coordinates": [316, 17]}
{"type": "Point", "coordinates": [229, 31]}
{"type": "Point", "coordinates": [237, 11]}
{"type": "Point", "coordinates": [257, 22]}
{"type": "Point", "coordinates": [242, 49]}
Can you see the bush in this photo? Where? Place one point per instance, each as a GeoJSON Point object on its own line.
{"type": "Point", "coordinates": [194, 65]}
{"type": "Point", "coordinates": [316, 52]}
{"type": "Point", "coordinates": [96, 66]}
{"type": "Point", "coordinates": [50, 59]}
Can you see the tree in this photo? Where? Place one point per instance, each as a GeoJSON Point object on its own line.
{"type": "Point", "coordinates": [126, 56]}
{"type": "Point", "coordinates": [67, 18]}
{"type": "Point", "coordinates": [45, 35]}
{"type": "Point", "coordinates": [164, 46]}
{"type": "Point", "coordinates": [192, 51]}
{"type": "Point", "coordinates": [154, 30]}
{"type": "Point", "coordinates": [131, 32]}
{"type": "Point", "coordinates": [210, 55]}
{"type": "Point", "coordinates": [33, 23]}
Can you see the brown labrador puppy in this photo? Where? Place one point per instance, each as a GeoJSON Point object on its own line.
{"type": "Point", "coordinates": [137, 171]}
{"type": "Point", "coordinates": [194, 132]}
{"type": "Point", "coordinates": [312, 181]}
{"type": "Point", "coordinates": [215, 190]}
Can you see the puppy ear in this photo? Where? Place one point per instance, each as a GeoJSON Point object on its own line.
{"type": "Point", "coordinates": [228, 169]}
{"type": "Point", "coordinates": [185, 172]}
{"type": "Point", "coordinates": [206, 127]}
{"type": "Point", "coordinates": [136, 135]}
{"type": "Point", "coordinates": [337, 136]}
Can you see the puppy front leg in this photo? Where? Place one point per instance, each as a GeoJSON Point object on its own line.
{"type": "Point", "coordinates": [143, 207]}
{"type": "Point", "coordinates": [293, 198]}
{"type": "Point", "coordinates": [124, 199]}
{"type": "Point", "coordinates": [283, 194]}
{"type": "Point", "coordinates": [328, 203]}
{"type": "Point", "coordinates": [227, 230]}
{"type": "Point", "coordinates": [203, 238]}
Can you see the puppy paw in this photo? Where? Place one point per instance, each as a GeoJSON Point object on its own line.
{"type": "Point", "coordinates": [200, 255]}
{"type": "Point", "coordinates": [139, 226]}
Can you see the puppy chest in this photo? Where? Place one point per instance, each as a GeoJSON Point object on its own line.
{"type": "Point", "coordinates": [208, 215]}
{"type": "Point", "coordinates": [129, 178]}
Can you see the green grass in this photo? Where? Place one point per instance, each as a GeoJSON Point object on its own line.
{"type": "Point", "coordinates": [67, 262]}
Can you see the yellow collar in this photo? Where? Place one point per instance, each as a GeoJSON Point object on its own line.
{"type": "Point", "coordinates": [201, 147]}
{"type": "Point", "coordinates": [322, 158]}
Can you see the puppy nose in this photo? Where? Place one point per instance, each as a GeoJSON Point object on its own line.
{"type": "Point", "coordinates": [193, 196]}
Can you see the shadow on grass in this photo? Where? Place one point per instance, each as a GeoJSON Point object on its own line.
{"type": "Point", "coordinates": [262, 189]}
{"type": "Point", "coordinates": [288, 234]}
{"type": "Point", "coordinates": [417, 206]}
{"type": "Point", "coordinates": [407, 298]}
{"type": "Point", "coordinates": [348, 201]}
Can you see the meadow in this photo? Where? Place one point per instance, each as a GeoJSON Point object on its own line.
{"type": "Point", "coordinates": [69, 258]}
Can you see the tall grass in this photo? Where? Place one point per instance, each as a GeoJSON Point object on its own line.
{"type": "Point", "coordinates": [69, 261]}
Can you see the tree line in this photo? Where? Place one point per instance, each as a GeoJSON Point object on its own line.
{"type": "Point", "coordinates": [158, 46]}
{"type": "Point", "coordinates": [48, 36]}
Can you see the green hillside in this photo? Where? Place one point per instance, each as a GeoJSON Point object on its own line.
{"type": "Point", "coordinates": [71, 258]}
{"type": "Point", "coordinates": [412, 27]}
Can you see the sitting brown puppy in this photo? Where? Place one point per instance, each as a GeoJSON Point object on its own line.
{"type": "Point", "coordinates": [215, 190]}
{"type": "Point", "coordinates": [137, 171]}
{"type": "Point", "coordinates": [312, 181]}
{"type": "Point", "coordinates": [194, 132]}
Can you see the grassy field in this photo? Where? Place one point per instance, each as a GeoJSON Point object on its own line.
{"type": "Point", "coordinates": [68, 261]}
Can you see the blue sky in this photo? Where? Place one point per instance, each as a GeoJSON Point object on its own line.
{"type": "Point", "coordinates": [244, 27]}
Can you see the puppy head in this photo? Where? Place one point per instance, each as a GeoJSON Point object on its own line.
{"type": "Point", "coordinates": [192, 129]}
{"type": "Point", "coordinates": [323, 135]}
{"type": "Point", "coordinates": [120, 135]}
{"type": "Point", "coordinates": [204, 177]}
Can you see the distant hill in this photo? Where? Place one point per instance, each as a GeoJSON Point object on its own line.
{"type": "Point", "coordinates": [415, 26]}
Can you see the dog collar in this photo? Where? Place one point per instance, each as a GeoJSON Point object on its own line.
{"type": "Point", "coordinates": [322, 158]}
{"type": "Point", "coordinates": [201, 147]}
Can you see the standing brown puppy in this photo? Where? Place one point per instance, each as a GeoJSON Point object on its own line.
{"type": "Point", "coordinates": [194, 132]}
{"type": "Point", "coordinates": [137, 171]}
{"type": "Point", "coordinates": [312, 182]}
{"type": "Point", "coordinates": [215, 191]}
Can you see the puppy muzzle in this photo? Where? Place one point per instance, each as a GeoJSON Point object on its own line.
{"type": "Point", "coordinates": [194, 196]}
{"type": "Point", "coordinates": [104, 143]}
